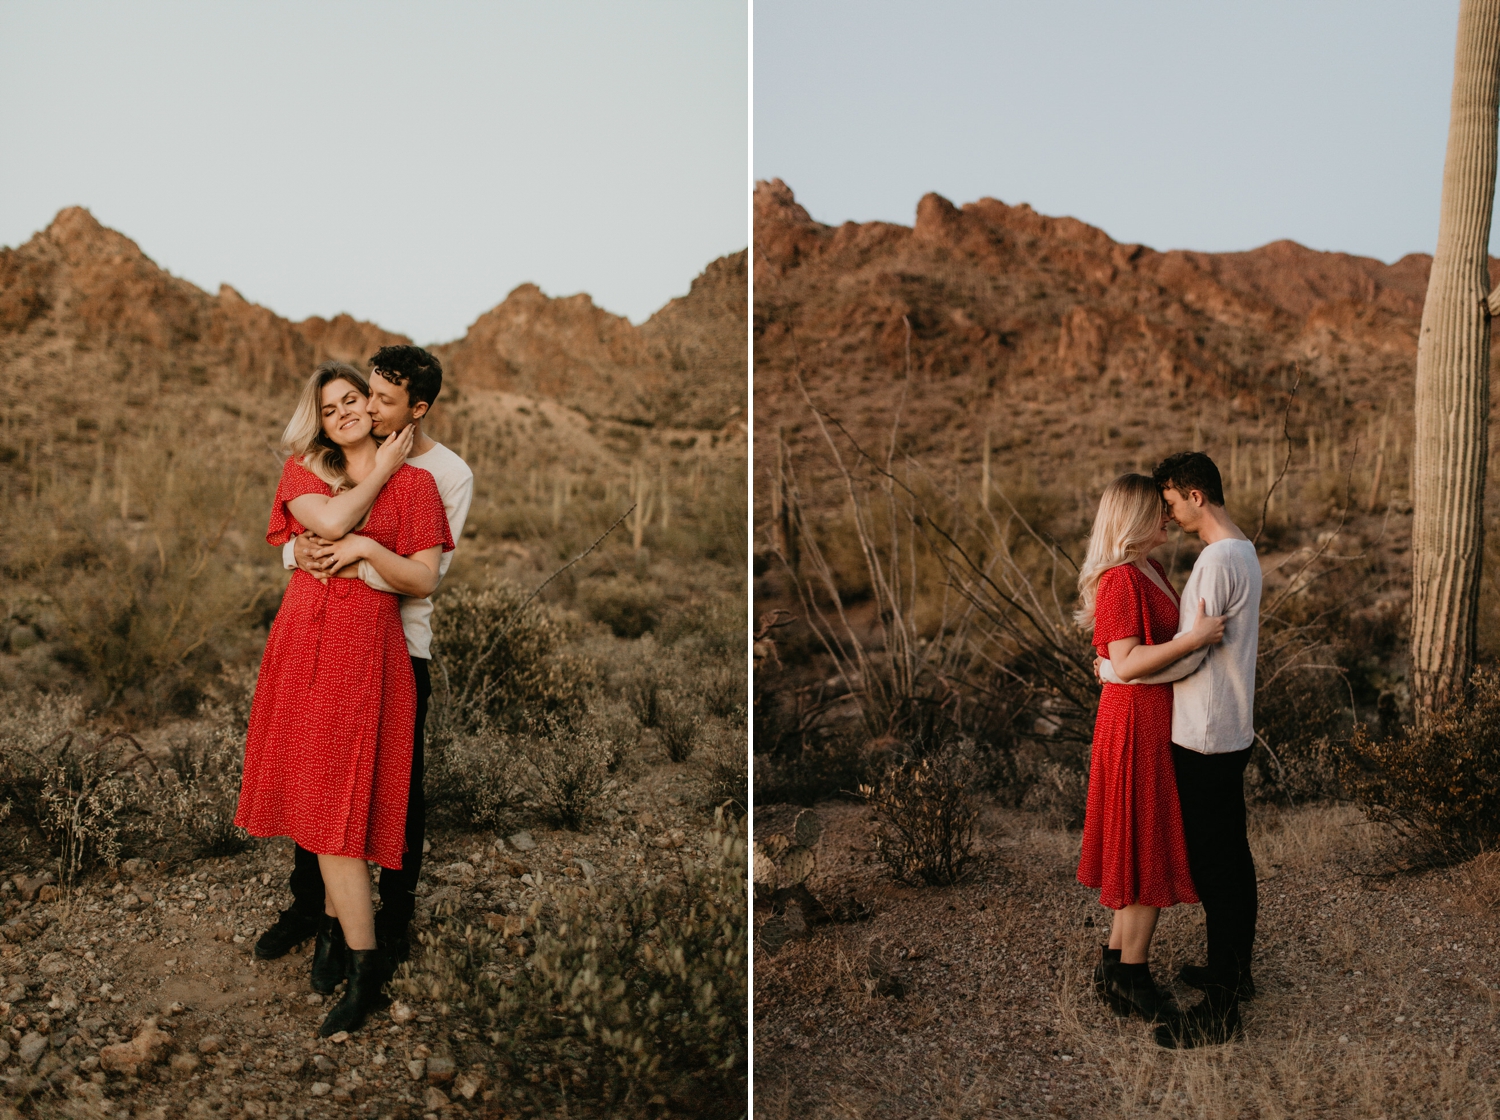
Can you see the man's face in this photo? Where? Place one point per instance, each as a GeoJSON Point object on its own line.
{"type": "Point", "coordinates": [390, 406]}
{"type": "Point", "coordinates": [1186, 509]}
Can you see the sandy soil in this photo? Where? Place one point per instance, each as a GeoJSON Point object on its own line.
{"type": "Point", "coordinates": [1378, 995]}
{"type": "Point", "coordinates": [95, 966]}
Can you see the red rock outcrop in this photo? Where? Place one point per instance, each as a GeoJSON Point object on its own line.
{"type": "Point", "coordinates": [81, 301]}
{"type": "Point", "coordinates": [1014, 322]}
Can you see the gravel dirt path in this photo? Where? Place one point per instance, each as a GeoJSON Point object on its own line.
{"type": "Point", "coordinates": [1378, 995]}
{"type": "Point", "coordinates": [147, 948]}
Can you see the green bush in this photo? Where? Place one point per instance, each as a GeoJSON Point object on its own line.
{"type": "Point", "coordinates": [628, 607]}
{"type": "Point", "coordinates": [1437, 783]}
{"type": "Point", "coordinates": [569, 764]}
{"type": "Point", "coordinates": [926, 813]}
{"type": "Point", "coordinates": [499, 661]}
{"type": "Point", "coordinates": [634, 997]}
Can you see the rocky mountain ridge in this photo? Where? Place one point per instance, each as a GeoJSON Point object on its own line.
{"type": "Point", "coordinates": [1048, 340]}
{"type": "Point", "coordinates": [80, 299]}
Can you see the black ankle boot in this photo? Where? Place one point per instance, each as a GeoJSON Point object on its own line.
{"type": "Point", "coordinates": [1209, 1023]}
{"type": "Point", "coordinates": [1107, 956]}
{"type": "Point", "coordinates": [329, 962]}
{"type": "Point", "coordinates": [1200, 977]}
{"type": "Point", "coordinates": [1130, 990]}
{"type": "Point", "coordinates": [291, 929]}
{"type": "Point", "coordinates": [360, 998]}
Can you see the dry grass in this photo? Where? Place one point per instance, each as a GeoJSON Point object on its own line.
{"type": "Point", "coordinates": [1365, 1006]}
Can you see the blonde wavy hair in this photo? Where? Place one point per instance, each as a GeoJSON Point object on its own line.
{"type": "Point", "coordinates": [1130, 511]}
{"type": "Point", "coordinates": [304, 438]}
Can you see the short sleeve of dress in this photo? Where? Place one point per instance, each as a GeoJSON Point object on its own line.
{"type": "Point", "coordinates": [424, 522]}
{"type": "Point", "coordinates": [296, 480]}
{"type": "Point", "coordinates": [1119, 608]}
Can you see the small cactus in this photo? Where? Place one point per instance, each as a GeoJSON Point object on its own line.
{"type": "Point", "coordinates": [782, 865]}
{"type": "Point", "coordinates": [781, 861]}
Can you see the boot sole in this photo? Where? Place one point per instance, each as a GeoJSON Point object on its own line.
{"type": "Point", "coordinates": [267, 956]}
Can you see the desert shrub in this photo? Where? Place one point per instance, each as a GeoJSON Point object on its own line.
{"type": "Point", "coordinates": [475, 778]}
{"type": "Point", "coordinates": [728, 772]}
{"type": "Point", "coordinates": [677, 728]}
{"type": "Point", "coordinates": [634, 996]}
{"type": "Point", "coordinates": [198, 791]}
{"type": "Point", "coordinates": [642, 689]}
{"type": "Point", "coordinates": [569, 765]}
{"type": "Point", "coordinates": [616, 725]}
{"type": "Point", "coordinates": [145, 607]}
{"type": "Point", "coordinates": [628, 607]}
{"type": "Point", "coordinates": [925, 815]}
{"type": "Point", "coordinates": [70, 786]}
{"type": "Point", "coordinates": [722, 687]}
{"type": "Point", "coordinates": [1438, 782]}
{"type": "Point", "coordinates": [499, 660]}
{"type": "Point", "coordinates": [716, 625]}
{"type": "Point", "coordinates": [835, 767]}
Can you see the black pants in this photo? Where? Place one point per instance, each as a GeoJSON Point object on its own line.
{"type": "Point", "coordinates": [1211, 788]}
{"type": "Point", "coordinates": [398, 888]}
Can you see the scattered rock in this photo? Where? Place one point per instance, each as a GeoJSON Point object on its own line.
{"type": "Point", "coordinates": [458, 872]}
{"type": "Point", "coordinates": [516, 869]}
{"type": "Point", "coordinates": [210, 1044]}
{"type": "Point", "coordinates": [314, 999]}
{"type": "Point", "coordinates": [401, 1012]}
{"type": "Point", "coordinates": [292, 1068]}
{"type": "Point", "coordinates": [436, 1100]}
{"type": "Point", "coordinates": [31, 886]}
{"type": "Point", "coordinates": [32, 1047]}
{"type": "Point", "coordinates": [672, 838]}
{"type": "Point", "coordinates": [4, 1051]}
{"type": "Point", "coordinates": [320, 1088]}
{"type": "Point", "coordinates": [339, 1037]}
{"type": "Point", "coordinates": [184, 1064]}
{"type": "Point", "coordinates": [417, 1068]}
{"type": "Point", "coordinates": [323, 1064]}
{"type": "Point", "coordinates": [469, 1084]}
{"type": "Point", "coordinates": [522, 841]}
{"type": "Point", "coordinates": [147, 1047]}
{"type": "Point", "coordinates": [585, 866]}
{"type": "Point", "coordinates": [440, 1069]}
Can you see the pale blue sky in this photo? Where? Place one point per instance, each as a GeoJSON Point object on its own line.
{"type": "Point", "coordinates": [407, 163]}
{"type": "Point", "coordinates": [1180, 125]}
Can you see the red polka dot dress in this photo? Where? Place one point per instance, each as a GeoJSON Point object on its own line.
{"type": "Point", "coordinates": [328, 752]}
{"type": "Point", "coordinates": [1133, 847]}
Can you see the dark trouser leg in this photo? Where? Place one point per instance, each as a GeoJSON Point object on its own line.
{"type": "Point", "coordinates": [398, 888]}
{"type": "Point", "coordinates": [306, 882]}
{"type": "Point", "coordinates": [1211, 789]}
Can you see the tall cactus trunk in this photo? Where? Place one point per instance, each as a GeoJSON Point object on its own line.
{"type": "Point", "coordinates": [1453, 364]}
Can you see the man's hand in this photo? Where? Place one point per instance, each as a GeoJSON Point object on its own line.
{"type": "Point", "coordinates": [346, 551]}
{"type": "Point", "coordinates": [313, 555]}
{"type": "Point", "coordinates": [1097, 662]}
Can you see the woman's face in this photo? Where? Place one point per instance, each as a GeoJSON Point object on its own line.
{"type": "Point", "coordinates": [1161, 529]}
{"type": "Point", "coordinates": [346, 413]}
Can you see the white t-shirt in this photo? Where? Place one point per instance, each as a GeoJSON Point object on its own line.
{"type": "Point", "coordinates": [1213, 688]}
{"type": "Point", "coordinates": [455, 483]}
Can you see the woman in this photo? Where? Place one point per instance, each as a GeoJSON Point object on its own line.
{"type": "Point", "coordinates": [1133, 848]}
{"type": "Point", "coordinates": [328, 752]}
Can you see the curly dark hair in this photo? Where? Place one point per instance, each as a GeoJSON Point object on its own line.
{"type": "Point", "coordinates": [1190, 470]}
{"type": "Point", "coordinates": [413, 367]}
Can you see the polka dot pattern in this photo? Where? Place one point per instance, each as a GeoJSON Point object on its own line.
{"type": "Point", "coordinates": [1133, 846]}
{"type": "Point", "coordinates": [329, 750]}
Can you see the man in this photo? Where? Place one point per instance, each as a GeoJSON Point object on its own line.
{"type": "Point", "coordinates": [1213, 697]}
{"type": "Point", "coordinates": [404, 383]}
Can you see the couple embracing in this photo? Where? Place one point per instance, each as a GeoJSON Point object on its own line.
{"type": "Point", "coordinates": [366, 513]}
{"type": "Point", "coordinates": [1165, 821]}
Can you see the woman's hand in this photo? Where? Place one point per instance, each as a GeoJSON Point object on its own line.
{"type": "Point", "coordinates": [394, 450]}
{"type": "Point", "coordinates": [340, 554]}
{"type": "Point", "coordinates": [1208, 630]}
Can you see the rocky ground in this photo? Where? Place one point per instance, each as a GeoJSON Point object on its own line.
{"type": "Point", "coordinates": [1378, 994]}
{"type": "Point", "coordinates": [136, 992]}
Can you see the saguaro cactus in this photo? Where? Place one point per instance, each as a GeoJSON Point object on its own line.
{"type": "Point", "coordinates": [1453, 363]}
